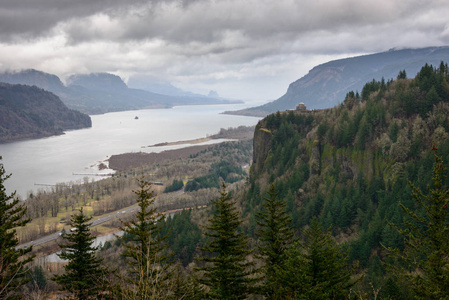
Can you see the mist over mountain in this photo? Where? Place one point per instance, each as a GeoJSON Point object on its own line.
{"type": "Point", "coordinates": [98, 81]}
{"type": "Point", "coordinates": [102, 92]}
{"type": "Point", "coordinates": [32, 77]}
{"type": "Point", "coordinates": [327, 84]}
{"type": "Point", "coordinates": [155, 86]}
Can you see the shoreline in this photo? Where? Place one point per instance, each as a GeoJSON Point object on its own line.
{"type": "Point", "coordinates": [177, 143]}
{"type": "Point", "coordinates": [127, 161]}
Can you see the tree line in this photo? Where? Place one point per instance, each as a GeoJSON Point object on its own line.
{"type": "Point", "coordinates": [284, 264]}
{"type": "Point", "coordinates": [343, 178]}
{"type": "Point", "coordinates": [349, 166]}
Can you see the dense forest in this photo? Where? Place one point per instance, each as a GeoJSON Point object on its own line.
{"type": "Point", "coordinates": [340, 203]}
{"type": "Point", "coordinates": [350, 166]}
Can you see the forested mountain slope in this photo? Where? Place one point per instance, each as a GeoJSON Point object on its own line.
{"type": "Point", "coordinates": [327, 84]}
{"type": "Point", "coordinates": [30, 112]}
{"type": "Point", "coordinates": [349, 165]}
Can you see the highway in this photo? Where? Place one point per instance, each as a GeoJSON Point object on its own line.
{"type": "Point", "coordinates": [54, 236]}
{"type": "Point", "coordinates": [110, 217]}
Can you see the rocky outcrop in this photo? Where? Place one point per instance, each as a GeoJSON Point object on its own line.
{"type": "Point", "coordinates": [261, 146]}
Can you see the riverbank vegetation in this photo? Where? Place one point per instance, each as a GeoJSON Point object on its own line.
{"type": "Point", "coordinates": [348, 202]}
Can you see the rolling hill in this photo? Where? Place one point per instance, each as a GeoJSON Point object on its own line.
{"type": "Point", "coordinates": [30, 112]}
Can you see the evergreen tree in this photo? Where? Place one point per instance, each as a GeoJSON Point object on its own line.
{"type": "Point", "coordinates": [275, 237]}
{"type": "Point", "coordinates": [227, 270]}
{"type": "Point", "coordinates": [402, 75]}
{"type": "Point", "coordinates": [84, 275]}
{"type": "Point", "coordinates": [145, 248]}
{"type": "Point", "coordinates": [426, 253]}
{"type": "Point", "coordinates": [317, 269]}
{"type": "Point", "coordinates": [12, 260]}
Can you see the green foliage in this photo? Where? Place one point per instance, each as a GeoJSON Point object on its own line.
{"type": "Point", "coordinates": [369, 88]}
{"type": "Point", "coordinates": [202, 182]}
{"type": "Point", "coordinates": [275, 236]}
{"type": "Point", "coordinates": [226, 272]}
{"type": "Point", "coordinates": [175, 186]}
{"type": "Point", "coordinates": [186, 239]}
{"type": "Point", "coordinates": [12, 261]}
{"type": "Point", "coordinates": [223, 169]}
{"type": "Point", "coordinates": [37, 277]}
{"type": "Point", "coordinates": [402, 75]}
{"type": "Point", "coordinates": [145, 248]}
{"type": "Point", "coordinates": [347, 167]}
{"type": "Point", "coordinates": [426, 239]}
{"type": "Point", "coordinates": [317, 268]}
{"type": "Point", "coordinates": [84, 275]}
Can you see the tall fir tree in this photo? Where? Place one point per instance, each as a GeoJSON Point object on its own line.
{"type": "Point", "coordinates": [145, 249]}
{"type": "Point", "coordinates": [12, 261]}
{"type": "Point", "coordinates": [227, 271]}
{"type": "Point", "coordinates": [426, 239]}
{"type": "Point", "coordinates": [84, 275]}
{"type": "Point", "coordinates": [318, 268]}
{"type": "Point", "coordinates": [275, 237]}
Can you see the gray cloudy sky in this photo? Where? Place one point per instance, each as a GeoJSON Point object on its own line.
{"type": "Point", "coordinates": [246, 49]}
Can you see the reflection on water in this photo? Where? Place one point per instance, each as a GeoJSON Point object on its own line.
{"type": "Point", "coordinates": [38, 163]}
{"type": "Point", "coordinates": [98, 242]}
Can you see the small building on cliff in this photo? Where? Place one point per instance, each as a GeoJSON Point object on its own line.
{"type": "Point", "coordinates": [301, 107]}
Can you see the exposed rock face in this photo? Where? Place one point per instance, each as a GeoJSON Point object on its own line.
{"type": "Point", "coordinates": [261, 146]}
{"type": "Point", "coordinates": [312, 152]}
{"type": "Point", "coordinates": [315, 159]}
{"type": "Point", "coordinates": [30, 112]}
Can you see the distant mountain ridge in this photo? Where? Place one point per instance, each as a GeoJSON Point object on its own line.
{"type": "Point", "coordinates": [32, 77]}
{"type": "Point", "coordinates": [158, 87]}
{"type": "Point", "coordinates": [28, 112]}
{"type": "Point", "coordinates": [327, 84]}
{"type": "Point", "coordinates": [103, 92]}
{"type": "Point", "coordinates": [98, 81]}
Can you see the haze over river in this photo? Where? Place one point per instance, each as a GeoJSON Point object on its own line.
{"type": "Point", "coordinates": [36, 163]}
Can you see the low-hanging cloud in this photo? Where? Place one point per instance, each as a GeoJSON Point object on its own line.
{"type": "Point", "coordinates": [192, 40]}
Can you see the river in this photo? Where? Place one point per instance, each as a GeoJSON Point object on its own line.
{"type": "Point", "coordinates": [44, 162]}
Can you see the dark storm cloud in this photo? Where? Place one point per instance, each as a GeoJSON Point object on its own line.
{"type": "Point", "coordinates": [203, 21]}
{"type": "Point", "coordinates": [223, 24]}
{"type": "Point", "coordinates": [33, 18]}
{"type": "Point", "coordinates": [210, 40]}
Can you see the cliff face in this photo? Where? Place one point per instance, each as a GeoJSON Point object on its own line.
{"type": "Point", "coordinates": [340, 164]}
{"type": "Point", "coordinates": [30, 112]}
{"type": "Point", "coordinates": [351, 166]}
{"type": "Point", "coordinates": [261, 146]}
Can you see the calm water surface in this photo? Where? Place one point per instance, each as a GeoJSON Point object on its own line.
{"type": "Point", "coordinates": [47, 161]}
